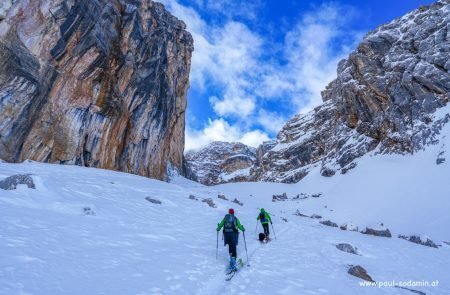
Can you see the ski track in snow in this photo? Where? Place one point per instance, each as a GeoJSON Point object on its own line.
{"type": "Point", "coordinates": [131, 246]}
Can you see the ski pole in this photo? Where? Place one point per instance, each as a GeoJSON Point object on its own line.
{"type": "Point", "coordinates": [217, 245]}
{"type": "Point", "coordinates": [256, 229]}
{"type": "Point", "coordinates": [246, 253]}
{"type": "Point", "coordinates": [273, 231]}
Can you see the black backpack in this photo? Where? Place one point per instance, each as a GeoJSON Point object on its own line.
{"type": "Point", "coordinates": [262, 237]}
{"type": "Point", "coordinates": [230, 224]}
{"type": "Point", "coordinates": [262, 217]}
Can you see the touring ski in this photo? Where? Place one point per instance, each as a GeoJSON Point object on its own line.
{"type": "Point", "coordinates": [230, 273]}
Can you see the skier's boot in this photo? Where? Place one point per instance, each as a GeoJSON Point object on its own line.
{"type": "Point", "coordinates": [233, 264]}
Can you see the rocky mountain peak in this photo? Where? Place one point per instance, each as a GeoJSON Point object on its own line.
{"type": "Point", "coordinates": [384, 100]}
{"type": "Point", "coordinates": [221, 162]}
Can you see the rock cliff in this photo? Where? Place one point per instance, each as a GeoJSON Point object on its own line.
{"type": "Point", "coordinates": [99, 83]}
{"type": "Point", "coordinates": [221, 162]}
{"type": "Point", "coordinates": [384, 100]}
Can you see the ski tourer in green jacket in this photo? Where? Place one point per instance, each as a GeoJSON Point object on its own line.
{"type": "Point", "coordinates": [237, 223]}
{"type": "Point", "coordinates": [264, 217]}
{"type": "Point", "coordinates": [231, 226]}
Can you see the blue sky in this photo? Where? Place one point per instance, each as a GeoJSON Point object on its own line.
{"type": "Point", "coordinates": [258, 63]}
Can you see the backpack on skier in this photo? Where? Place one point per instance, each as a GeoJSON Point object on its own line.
{"type": "Point", "coordinates": [261, 237]}
{"type": "Point", "coordinates": [230, 225]}
{"type": "Point", "coordinates": [262, 217]}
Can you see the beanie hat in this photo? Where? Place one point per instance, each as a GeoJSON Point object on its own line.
{"type": "Point", "coordinates": [231, 211]}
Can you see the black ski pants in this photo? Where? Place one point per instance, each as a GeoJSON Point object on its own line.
{"type": "Point", "coordinates": [266, 229]}
{"type": "Point", "coordinates": [232, 250]}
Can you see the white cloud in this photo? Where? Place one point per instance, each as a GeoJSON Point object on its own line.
{"type": "Point", "coordinates": [312, 57]}
{"type": "Point", "coordinates": [310, 51]}
{"type": "Point", "coordinates": [232, 105]}
{"type": "Point", "coordinates": [231, 68]}
{"type": "Point", "coordinates": [271, 121]}
{"type": "Point", "coordinates": [221, 130]}
{"type": "Point", "coordinates": [227, 55]}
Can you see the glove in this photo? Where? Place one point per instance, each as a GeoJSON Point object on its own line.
{"type": "Point", "coordinates": [217, 229]}
{"type": "Point", "coordinates": [271, 222]}
{"type": "Point", "coordinates": [243, 229]}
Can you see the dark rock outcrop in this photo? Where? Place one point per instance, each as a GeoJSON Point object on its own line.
{"type": "Point", "coordinates": [349, 227]}
{"type": "Point", "coordinates": [210, 202]}
{"type": "Point", "coordinates": [221, 162]}
{"type": "Point", "coordinates": [223, 197]}
{"type": "Point", "coordinates": [347, 248]}
{"type": "Point", "coordinates": [282, 197]}
{"type": "Point", "coordinates": [329, 223]}
{"type": "Point", "coordinates": [377, 232]}
{"type": "Point", "coordinates": [99, 83]}
{"type": "Point", "coordinates": [11, 183]}
{"type": "Point", "coordinates": [298, 213]}
{"type": "Point", "coordinates": [360, 272]}
{"type": "Point", "coordinates": [236, 201]}
{"type": "Point", "coordinates": [418, 240]}
{"type": "Point", "coordinates": [153, 201]}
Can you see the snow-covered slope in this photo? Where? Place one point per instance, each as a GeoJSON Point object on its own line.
{"type": "Point", "coordinates": [91, 231]}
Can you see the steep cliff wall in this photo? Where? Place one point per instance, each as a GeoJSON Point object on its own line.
{"type": "Point", "coordinates": [98, 83]}
{"type": "Point", "coordinates": [383, 100]}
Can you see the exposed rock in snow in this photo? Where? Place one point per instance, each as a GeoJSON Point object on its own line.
{"type": "Point", "coordinates": [154, 201]}
{"type": "Point", "coordinates": [347, 248]}
{"type": "Point", "coordinates": [377, 232]}
{"type": "Point", "coordinates": [329, 223]}
{"type": "Point", "coordinates": [192, 197]}
{"type": "Point", "coordinates": [88, 211]}
{"type": "Point", "coordinates": [384, 98]}
{"type": "Point", "coordinates": [327, 172]}
{"type": "Point", "coordinates": [210, 202]}
{"type": "Point", "coordinates": [221, 162]}
{"type": "Point", "coordinates": [411, 290]}
{"type": "Point", "coordinates": [222, 197]}
{"type": "Point", "coordinates": [282, 197]}
{"type": "Point", "coordinates": [298, 213]}
{"type": "Point", "coordinates": [98, 83]}
{"type": "Point", "coordinates": [236, 201]}
{"type": "Point", "coordinates": [13, 181]}
{"type": "Point", "coordinates": [425, 241]}
{"type": "Point", "coordinates": [360, 272]}
{"type": "Point", "coordinates": [349, 226]}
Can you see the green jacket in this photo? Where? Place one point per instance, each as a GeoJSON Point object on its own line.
{"type": "Point", "coordinates": [238, 224]}
{"type": "Point", "coordinates": [266, 217]}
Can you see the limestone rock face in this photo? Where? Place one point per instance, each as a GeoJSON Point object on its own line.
{"type": "Point", "coordinates": [221, 162]}
{"type": "Point", "coordinates": [397, 77]}
{"type": "Point", "coordinates": [385, 99]}
{"type": "Point", "coordinates": [99, 83]}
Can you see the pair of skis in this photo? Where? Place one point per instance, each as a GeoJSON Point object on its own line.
{"type": "Point", "coordinates": [231, 273]}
